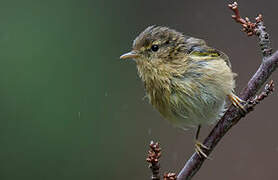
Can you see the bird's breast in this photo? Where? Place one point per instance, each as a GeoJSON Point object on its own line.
{"type": "Point", "coordinates": [159, 92]}
{"type": "Point", "coordinates": [157, 82]}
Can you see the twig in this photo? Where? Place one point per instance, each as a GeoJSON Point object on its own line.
{"type": "Point", "coordinates": [233, 115]}
{"type": "Point", "coordinates": [153, 159]}
{"type": "Point", "coordinates": [247, 25]}
{"type": "Point", "coordinates": [258, 28]}
{"type": "Point", "coordinates": [268, 89]}
{"type": "Point", "coordinates": [170, 176]}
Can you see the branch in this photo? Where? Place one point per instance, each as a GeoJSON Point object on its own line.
{"type": "Point", "coordinates": [170, 176]}
{"type": "Point", "coordinates": [153, 160]}
{"type": "Point", "coordinates": [258, 28]}
{"type": "Point", "coordinates": [269, 88]}
{"type": "Point", "coordinates": [233, 115]}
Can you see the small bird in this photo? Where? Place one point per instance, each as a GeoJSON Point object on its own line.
{"type": "Point", "coordinates": [187, 81]}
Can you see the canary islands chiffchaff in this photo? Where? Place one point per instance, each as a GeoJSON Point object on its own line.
{"type": "Point", "coordinates": [185, 80]}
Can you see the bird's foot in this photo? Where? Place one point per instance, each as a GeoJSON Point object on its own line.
{"type": "Point", "coordinates": [199, 149]}
{"type": "Point", "coordinates": [238, 103]}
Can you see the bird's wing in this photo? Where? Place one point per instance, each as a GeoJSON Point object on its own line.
{"type": "Point", "coordinates": [199, 49]}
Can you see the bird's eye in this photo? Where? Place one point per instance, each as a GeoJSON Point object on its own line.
{"type": "Point", "coordinates": [154, 48]}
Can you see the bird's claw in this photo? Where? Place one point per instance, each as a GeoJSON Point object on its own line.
{"type": "Point", "coordinates": [238, 103]}
{"type": "Point", "coordinates": [198, 149]}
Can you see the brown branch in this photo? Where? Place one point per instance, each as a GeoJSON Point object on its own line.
{"type": "Point", "coordinates": [233, 115]}
{"type": "Point", "coordinates": [247, 25]}
{"type": "Point", "coordinates": [170, 176]}
{"type": "Point", "coordinates": [153, 159]}
{"type": "Point", "coordinates": [251, 28]}
{"type": "Point", "coordinates": [269, 88]}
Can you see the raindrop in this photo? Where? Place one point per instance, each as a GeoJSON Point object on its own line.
{"type": "Point", "coordinates": [149, 131]}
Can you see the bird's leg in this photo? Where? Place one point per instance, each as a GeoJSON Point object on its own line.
{"type": "Point", "coordinates": [237, 102]}
{"type": "Point", "coordinates": [199, 146]}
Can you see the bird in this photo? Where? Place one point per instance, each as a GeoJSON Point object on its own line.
{"type": "Point", "coordinates": [186, 80]}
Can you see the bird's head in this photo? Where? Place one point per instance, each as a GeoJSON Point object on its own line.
{"type": "Point", "coordinates": [157, 43]}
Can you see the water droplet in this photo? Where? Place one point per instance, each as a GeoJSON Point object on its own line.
{"type": "Point", "coordinates": [149, 131]}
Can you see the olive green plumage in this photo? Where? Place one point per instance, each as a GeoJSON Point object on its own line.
{"type": "Point", "coordinates": [185, 80]}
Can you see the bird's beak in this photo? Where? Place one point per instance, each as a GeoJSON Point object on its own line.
{"type": "Point", "coordinates": [130, 55]}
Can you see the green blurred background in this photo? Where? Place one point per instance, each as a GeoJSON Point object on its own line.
{"type": "Point", "coordinates": [70, 109]}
